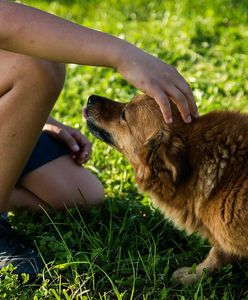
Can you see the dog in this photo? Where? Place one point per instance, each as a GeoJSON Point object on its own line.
{"type": "Point", "coordinates": [197, 173]}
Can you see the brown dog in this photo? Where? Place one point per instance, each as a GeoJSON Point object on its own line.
{"type": "Point", "coordinates": [197, 173]}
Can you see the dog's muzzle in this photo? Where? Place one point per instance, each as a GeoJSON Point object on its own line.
{"type": "Point", "coordinates": [94, 128]}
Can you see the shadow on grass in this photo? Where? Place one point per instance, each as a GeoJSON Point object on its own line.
{"type": "Point", "coordinates": [124, 249]}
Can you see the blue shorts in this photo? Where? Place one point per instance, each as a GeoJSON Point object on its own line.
{"type": "Point", "coordinates": [47, 149]}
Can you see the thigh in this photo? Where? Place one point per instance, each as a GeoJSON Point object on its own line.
{"type": "Point", "coordinates": [62, 182]}
{"type": "Point", "coordinates": [27, 94]}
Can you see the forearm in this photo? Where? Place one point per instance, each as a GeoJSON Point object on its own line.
{"type": "Point", "coordinates": [33, 32]}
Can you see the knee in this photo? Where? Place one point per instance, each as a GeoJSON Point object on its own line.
{"type": "Point", "coordinates": [84, 195]}
{"type": "Point", "coordinates": [89, 195]}
{"type": "Point", "coordinates": [43, 75]}
{"type": "Point", "coordinates": [95, 195]}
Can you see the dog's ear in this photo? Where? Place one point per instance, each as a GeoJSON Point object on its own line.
{"type": "Point", "coordinates": [164, 153]}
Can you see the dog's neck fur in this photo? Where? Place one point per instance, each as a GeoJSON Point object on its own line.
{"type": "Point", "coordinates": [176, 196]}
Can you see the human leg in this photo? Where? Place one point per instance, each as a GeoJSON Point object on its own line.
{"type": "Point", "coordinates": [59, 184]}
{"type": "Point", "coordinates": [28, 90]}
{"type": "Point", "coordinates": [21, 198]}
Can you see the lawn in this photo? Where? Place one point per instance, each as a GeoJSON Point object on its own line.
{"type": "Point", "coordinates": [126, 250]}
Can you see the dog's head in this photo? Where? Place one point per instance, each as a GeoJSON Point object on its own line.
{"type": "Point", "coordinates": [137, 129]}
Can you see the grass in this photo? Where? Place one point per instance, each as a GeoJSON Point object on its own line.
{"type": "Point", "coordinates": [126, 250]}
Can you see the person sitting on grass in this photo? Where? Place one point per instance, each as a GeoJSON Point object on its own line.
{"type": "Point", "coordinates": [44, 168]}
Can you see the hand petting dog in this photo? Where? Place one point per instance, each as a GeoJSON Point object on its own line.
{"type": "Point", "coordinates": [197, 173]}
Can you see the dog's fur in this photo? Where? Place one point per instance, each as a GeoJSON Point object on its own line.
{"type": "Point", "coordinates": [197, 173]}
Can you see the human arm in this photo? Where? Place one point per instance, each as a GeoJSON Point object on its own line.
{"type": "Point", "coordinates": [79, 145]}
{"type": "Point", "coordinates": [33, 32]}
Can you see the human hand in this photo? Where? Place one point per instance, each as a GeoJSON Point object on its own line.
{"type": "Point", "coordinates": [73, 138]}
{"type": "Point", "coordinates": [72, 43]}
{"type": "Point", "coordinates": [158, 80]}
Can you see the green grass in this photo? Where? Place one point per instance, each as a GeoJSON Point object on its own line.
{"type": "Point", "coordinates": [126, 250]}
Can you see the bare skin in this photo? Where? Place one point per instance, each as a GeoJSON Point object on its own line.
{"type": "Point", "coordinates": [71, 184]}
{"type": "Point", "coordinates": [30, 86]}
{"type": "Point", "coordinates": [27, 30]}
{"type": "Point", "coordinates": [26, 98]}
{"type": "Point", "coordinates": [78, 144]}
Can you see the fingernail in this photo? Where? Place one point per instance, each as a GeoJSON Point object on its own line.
{"type": "Point", "coordinates": [169, 120]}
{"type": "Point", "coordinates": [75, 148]}
{"type": "Point", "coordinates": [188, 120]}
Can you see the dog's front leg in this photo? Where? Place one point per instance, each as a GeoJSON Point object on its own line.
{"type": "Point", "coordinates": [215, 260]}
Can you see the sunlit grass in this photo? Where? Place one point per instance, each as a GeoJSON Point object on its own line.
{"type": "Point", "coordinates": [126, 250]}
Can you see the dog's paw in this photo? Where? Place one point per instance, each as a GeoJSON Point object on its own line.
{"type": "Point", "coordinates": [186, 275]}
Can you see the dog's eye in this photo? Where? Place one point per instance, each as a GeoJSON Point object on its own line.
{"type": "Point", "coordinates": [122, 116]}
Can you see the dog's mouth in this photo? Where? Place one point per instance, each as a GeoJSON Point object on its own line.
{"type": "Point", "coordinates": [100, 133]}
{"type": "Point", "coordinates": [96, 130]}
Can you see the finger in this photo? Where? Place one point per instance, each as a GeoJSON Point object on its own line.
{"type": "Point", "coordinates": [181, 102]}
{"type": "Point", "coordinates": [80, 138]}
{"type": "Point", "coordinates": [69, 140]}
{"type": "Point", "coordinates": [85, 147]}
{"type": "Point", "coordinates": [84, 156]}
{"type": "Point", "coordinates": [164, 104]}
{"type": "Point", "coordinates": [85, 151]}
{"type": "Point", "coordinates": [186, 90]}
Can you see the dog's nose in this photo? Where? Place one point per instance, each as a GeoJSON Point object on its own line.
{"type": "Point", "coordinates": [92, 99]}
